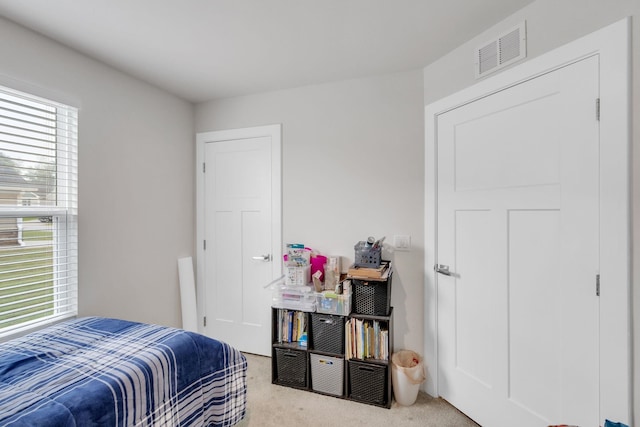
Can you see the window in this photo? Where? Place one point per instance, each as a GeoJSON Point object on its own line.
{"type": "Point", "coordinates": [38, 211]}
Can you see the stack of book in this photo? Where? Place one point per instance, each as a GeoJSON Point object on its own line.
{"type": "Point", "coordinates": [291, 326]}
{"type": "Point", "coordinates": [367, 339]}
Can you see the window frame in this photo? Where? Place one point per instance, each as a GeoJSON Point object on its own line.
{"type": "Point", "coordinates": [64, 213]}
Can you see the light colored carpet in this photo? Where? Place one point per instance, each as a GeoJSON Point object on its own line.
{"type": "Point", "coordinates": [278, 406]}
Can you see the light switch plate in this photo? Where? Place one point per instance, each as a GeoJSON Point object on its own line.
{"type": "Point", "coordinates": [402, 242]}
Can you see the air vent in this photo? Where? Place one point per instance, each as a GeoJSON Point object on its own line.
{"type": "Point", "coordinates": [506, 49]}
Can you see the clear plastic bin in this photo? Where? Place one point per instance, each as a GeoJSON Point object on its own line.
{"type": "Point", "coordinates": [293, 297]}
{"type": "Point", "coordinates": [329, 302]}
{"type": "Point", "coordinates": [297, 276]}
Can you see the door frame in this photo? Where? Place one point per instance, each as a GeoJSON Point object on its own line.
{"type": "Point", "coordinates": [274, 132]}
{"type": "Point", "coordinates": [612, 46]}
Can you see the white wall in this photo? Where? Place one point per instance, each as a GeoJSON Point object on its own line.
{"type": "Point", "coordinates": [136, 180]}
{"type": "Point", "coordinates": [550, 24]}
{"type": "Point", "coordinates": [352, 167]}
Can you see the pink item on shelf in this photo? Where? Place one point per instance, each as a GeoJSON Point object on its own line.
{"type": "Point", "coordinates": [317, 264]}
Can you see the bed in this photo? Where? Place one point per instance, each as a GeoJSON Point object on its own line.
{"type": "Point", "coordinates": [97, 371]}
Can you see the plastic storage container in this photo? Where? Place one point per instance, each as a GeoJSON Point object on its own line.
{"type": "Point", "coordinates": [301, 298]}
{"type": "Point", "coordinates": [368, 382]}
{"type": "Point", "coordinates": [327, 333]}
{"type": "Point", "coordinates": [367, 255]}
{"type": "Point", "coordinates": [331, 303]}
{"type": "Point", "coordinates": [291, 367]}
{"type": "Point", "coordinates": [371, 297]}
{"type": "Point", "coordinates": [327, 374]}
{"type": "Point", "coordinates": [297, 276]}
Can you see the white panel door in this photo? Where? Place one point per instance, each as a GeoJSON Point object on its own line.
{"type": "Point", "coordinates": [517, 195]}
{"type": "Point", "coordinates": [239, 254]}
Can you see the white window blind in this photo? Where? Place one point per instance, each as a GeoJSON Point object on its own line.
{"type": "Point", "coordinates": [38, 211]}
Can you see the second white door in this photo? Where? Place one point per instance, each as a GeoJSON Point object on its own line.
{"type": "Point", "coordinates": [240, 256]}
{"type": "Point", "coordinates": [517, 196]}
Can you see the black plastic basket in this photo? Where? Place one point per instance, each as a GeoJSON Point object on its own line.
{"type": "Point", "coordinates": [368, 382]}
{"type": "Point", "coordinates": [327, 333]}
{"type": "Point", "coordinates": [371, 297]}
{"type": "Point", "coordinates": [291, 367]}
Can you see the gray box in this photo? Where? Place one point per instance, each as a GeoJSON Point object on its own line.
{"type": "Point", "coordinates": [327, 374]}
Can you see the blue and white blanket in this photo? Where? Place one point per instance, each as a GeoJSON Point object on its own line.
{"type": "Point", "coordinates": [107, 372]}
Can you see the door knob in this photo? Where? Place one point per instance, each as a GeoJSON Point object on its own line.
{"type": "Point", "coordinates": [262, 258]}
{"type": "Point", "coordinates": [442, 269]}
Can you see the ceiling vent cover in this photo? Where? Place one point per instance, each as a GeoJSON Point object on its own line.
{"type": "Point", "coordinates": [506, 49]}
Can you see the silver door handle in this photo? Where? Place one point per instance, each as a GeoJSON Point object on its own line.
{"type": "Point", "coordinates": [262, 258]}
{"type": "Point", "coordinates": [442, 269]}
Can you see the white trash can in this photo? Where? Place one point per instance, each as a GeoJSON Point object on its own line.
{"type": "Point", "coordinates": [407, 373]}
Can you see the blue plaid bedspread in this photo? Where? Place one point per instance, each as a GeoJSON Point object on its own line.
{"type": "Point", "coordinates": [107, 372]}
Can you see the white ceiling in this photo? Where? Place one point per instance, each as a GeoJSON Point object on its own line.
{"type": "Point", "coordinates": [206, 49]}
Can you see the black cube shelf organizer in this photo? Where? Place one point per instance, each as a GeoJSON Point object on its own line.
{"type": "Point", "coordinates": [365, 379]}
